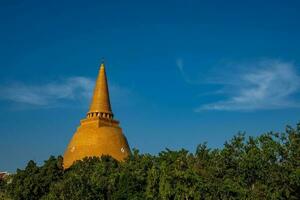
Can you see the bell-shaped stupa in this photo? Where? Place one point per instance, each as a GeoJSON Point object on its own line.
{"type": "Point", "coordinates": [99, 133]}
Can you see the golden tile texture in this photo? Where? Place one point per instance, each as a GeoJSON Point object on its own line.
{"type": "Point", "coordinates": [98, 134]}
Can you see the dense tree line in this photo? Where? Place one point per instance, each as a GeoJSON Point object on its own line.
{"type": "Point", "coordinates": [263, 167]}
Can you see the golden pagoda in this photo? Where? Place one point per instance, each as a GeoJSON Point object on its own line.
{"type": "Point", "coordinates": [99, 133]}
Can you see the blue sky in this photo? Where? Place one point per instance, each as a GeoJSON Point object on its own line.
{"type": "Point", "coordinates": [180, 72]}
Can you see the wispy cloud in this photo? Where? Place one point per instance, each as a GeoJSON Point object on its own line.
{"type": "Point", "coordinates": [50, 94]}
{"type": "Point", "coordinates": [267, 84]}
{"type": "Point", "coordinates": [179, 64]}
{"type": "Point", "coordinates": [70, 91]}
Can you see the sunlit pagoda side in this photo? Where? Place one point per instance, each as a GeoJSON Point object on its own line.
{"type": "Point", "coordinates": [99, 133]}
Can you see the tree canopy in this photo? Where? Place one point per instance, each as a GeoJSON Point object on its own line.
{"type": "Point", "coordinates": [263, 167]}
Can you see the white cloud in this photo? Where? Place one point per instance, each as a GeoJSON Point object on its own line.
{"type": "Point", "coordinates": [270, 84]}
{"type": "Point", "coordinates": [65, 92]}
{"type": "Point", "coordinates": [48, 94]}
{"type": "Point", "coordinates": [179, 64]}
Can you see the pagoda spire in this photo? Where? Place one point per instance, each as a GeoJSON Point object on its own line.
{"type": "Point", "coordinates": [98, 134]}
{"type": "Point", "coordinates": [100, 104]}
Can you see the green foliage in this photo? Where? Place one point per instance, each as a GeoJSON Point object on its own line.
{"type": "Point", "coordinates": [33, 182]}
{"type": "Point", "coordinates": [3, 189]}
{"type": "Point", "coordinates": [265, 167]}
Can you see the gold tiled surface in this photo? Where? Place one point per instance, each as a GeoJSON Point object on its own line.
{"type": "Point", "coordinates": [98, 134]}
{"type": "Point", "coordinates": [94, 140]}
{"type": "Point", "coordinates": [100, 101]}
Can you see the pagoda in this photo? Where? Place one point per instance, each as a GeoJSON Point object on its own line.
{"type": "Point", "coordinates": [99, 133]}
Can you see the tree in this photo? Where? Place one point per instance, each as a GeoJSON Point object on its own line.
{"type": "Point", "coordinates": [33, 182]}
{"type": "Point", "coordinates": [263, 167]}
